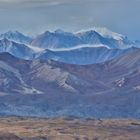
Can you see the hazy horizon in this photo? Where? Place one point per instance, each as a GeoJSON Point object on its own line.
{"type": "Point", "coordinates": [36, 16]}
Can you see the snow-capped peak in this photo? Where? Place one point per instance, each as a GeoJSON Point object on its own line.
{"type": "Point", "coordinates": [103, 32]}
{"type": "Point", "coordinates": [87, 32]}
{"type": "Point", "coordinates": [10, 34]}
{"type": "Point", "coordinates": [59, 31]}
{"type": "Point", "coordinates": [108, 33]}
{"type": "Point", "coordinates": [16, 37]}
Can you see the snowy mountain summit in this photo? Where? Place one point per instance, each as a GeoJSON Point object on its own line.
{"type": "Point", "coordinates": [108, 33]}
{"type": "Point", "coordinates": [16, 37]}
{"type": "Point", "coordinates": [104, 32]}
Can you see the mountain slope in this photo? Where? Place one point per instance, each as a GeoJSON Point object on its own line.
{"type": "Point", "coordinates": [16, 37]}
{"type": "Point", "coordinates": [16, 49]}
{"type": "Point", "coordinates": [83, 54]}
{"type": "Point", "coordinates": [109, 89]}
{"type": "Point", "coordinates": [11, 70]}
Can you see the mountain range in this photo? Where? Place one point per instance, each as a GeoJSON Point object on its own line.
{"type": "Point", "coordinates": [84, 47]}
{"type": "Point", "coordinates": [51, 88]}
{"type": "Point", "coordinates": [70, 74]}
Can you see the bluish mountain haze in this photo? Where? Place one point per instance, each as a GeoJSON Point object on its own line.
{"type": "Point", "coordinates": [94, 73]}
{"type": "Point", "coordinates": [50, 88]}
{"type": "Point", "coordinates": [83, 47]}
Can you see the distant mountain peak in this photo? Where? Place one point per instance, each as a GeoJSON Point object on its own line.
{"type": "Point", "coordinates": [90, 33]}
{"type": "Point", "coordinates": [46, 32]}
{"type": "Point", "coordinates": [103, 31]}
{"type": "Point", "coordinates": [16, 37]}
{"type": "Point", "coordinates": [12, 32]}
{"type": "Point", "coordinates": [59, 31]}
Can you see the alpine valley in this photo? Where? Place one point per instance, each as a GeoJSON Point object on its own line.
{"type": "Point", "coordinates": [90, 73]}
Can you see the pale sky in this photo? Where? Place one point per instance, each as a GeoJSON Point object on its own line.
{"type": "Point", "coordinates": [36, 16]}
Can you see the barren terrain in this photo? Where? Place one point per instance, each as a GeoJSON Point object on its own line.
{"type": "Point", "coordinates": [14, 128]}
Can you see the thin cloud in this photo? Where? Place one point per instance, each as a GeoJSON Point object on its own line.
{"type": "Point", "coordinates": [38, 15]}
{"type": "Point", "coordinates": [32, 3]}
